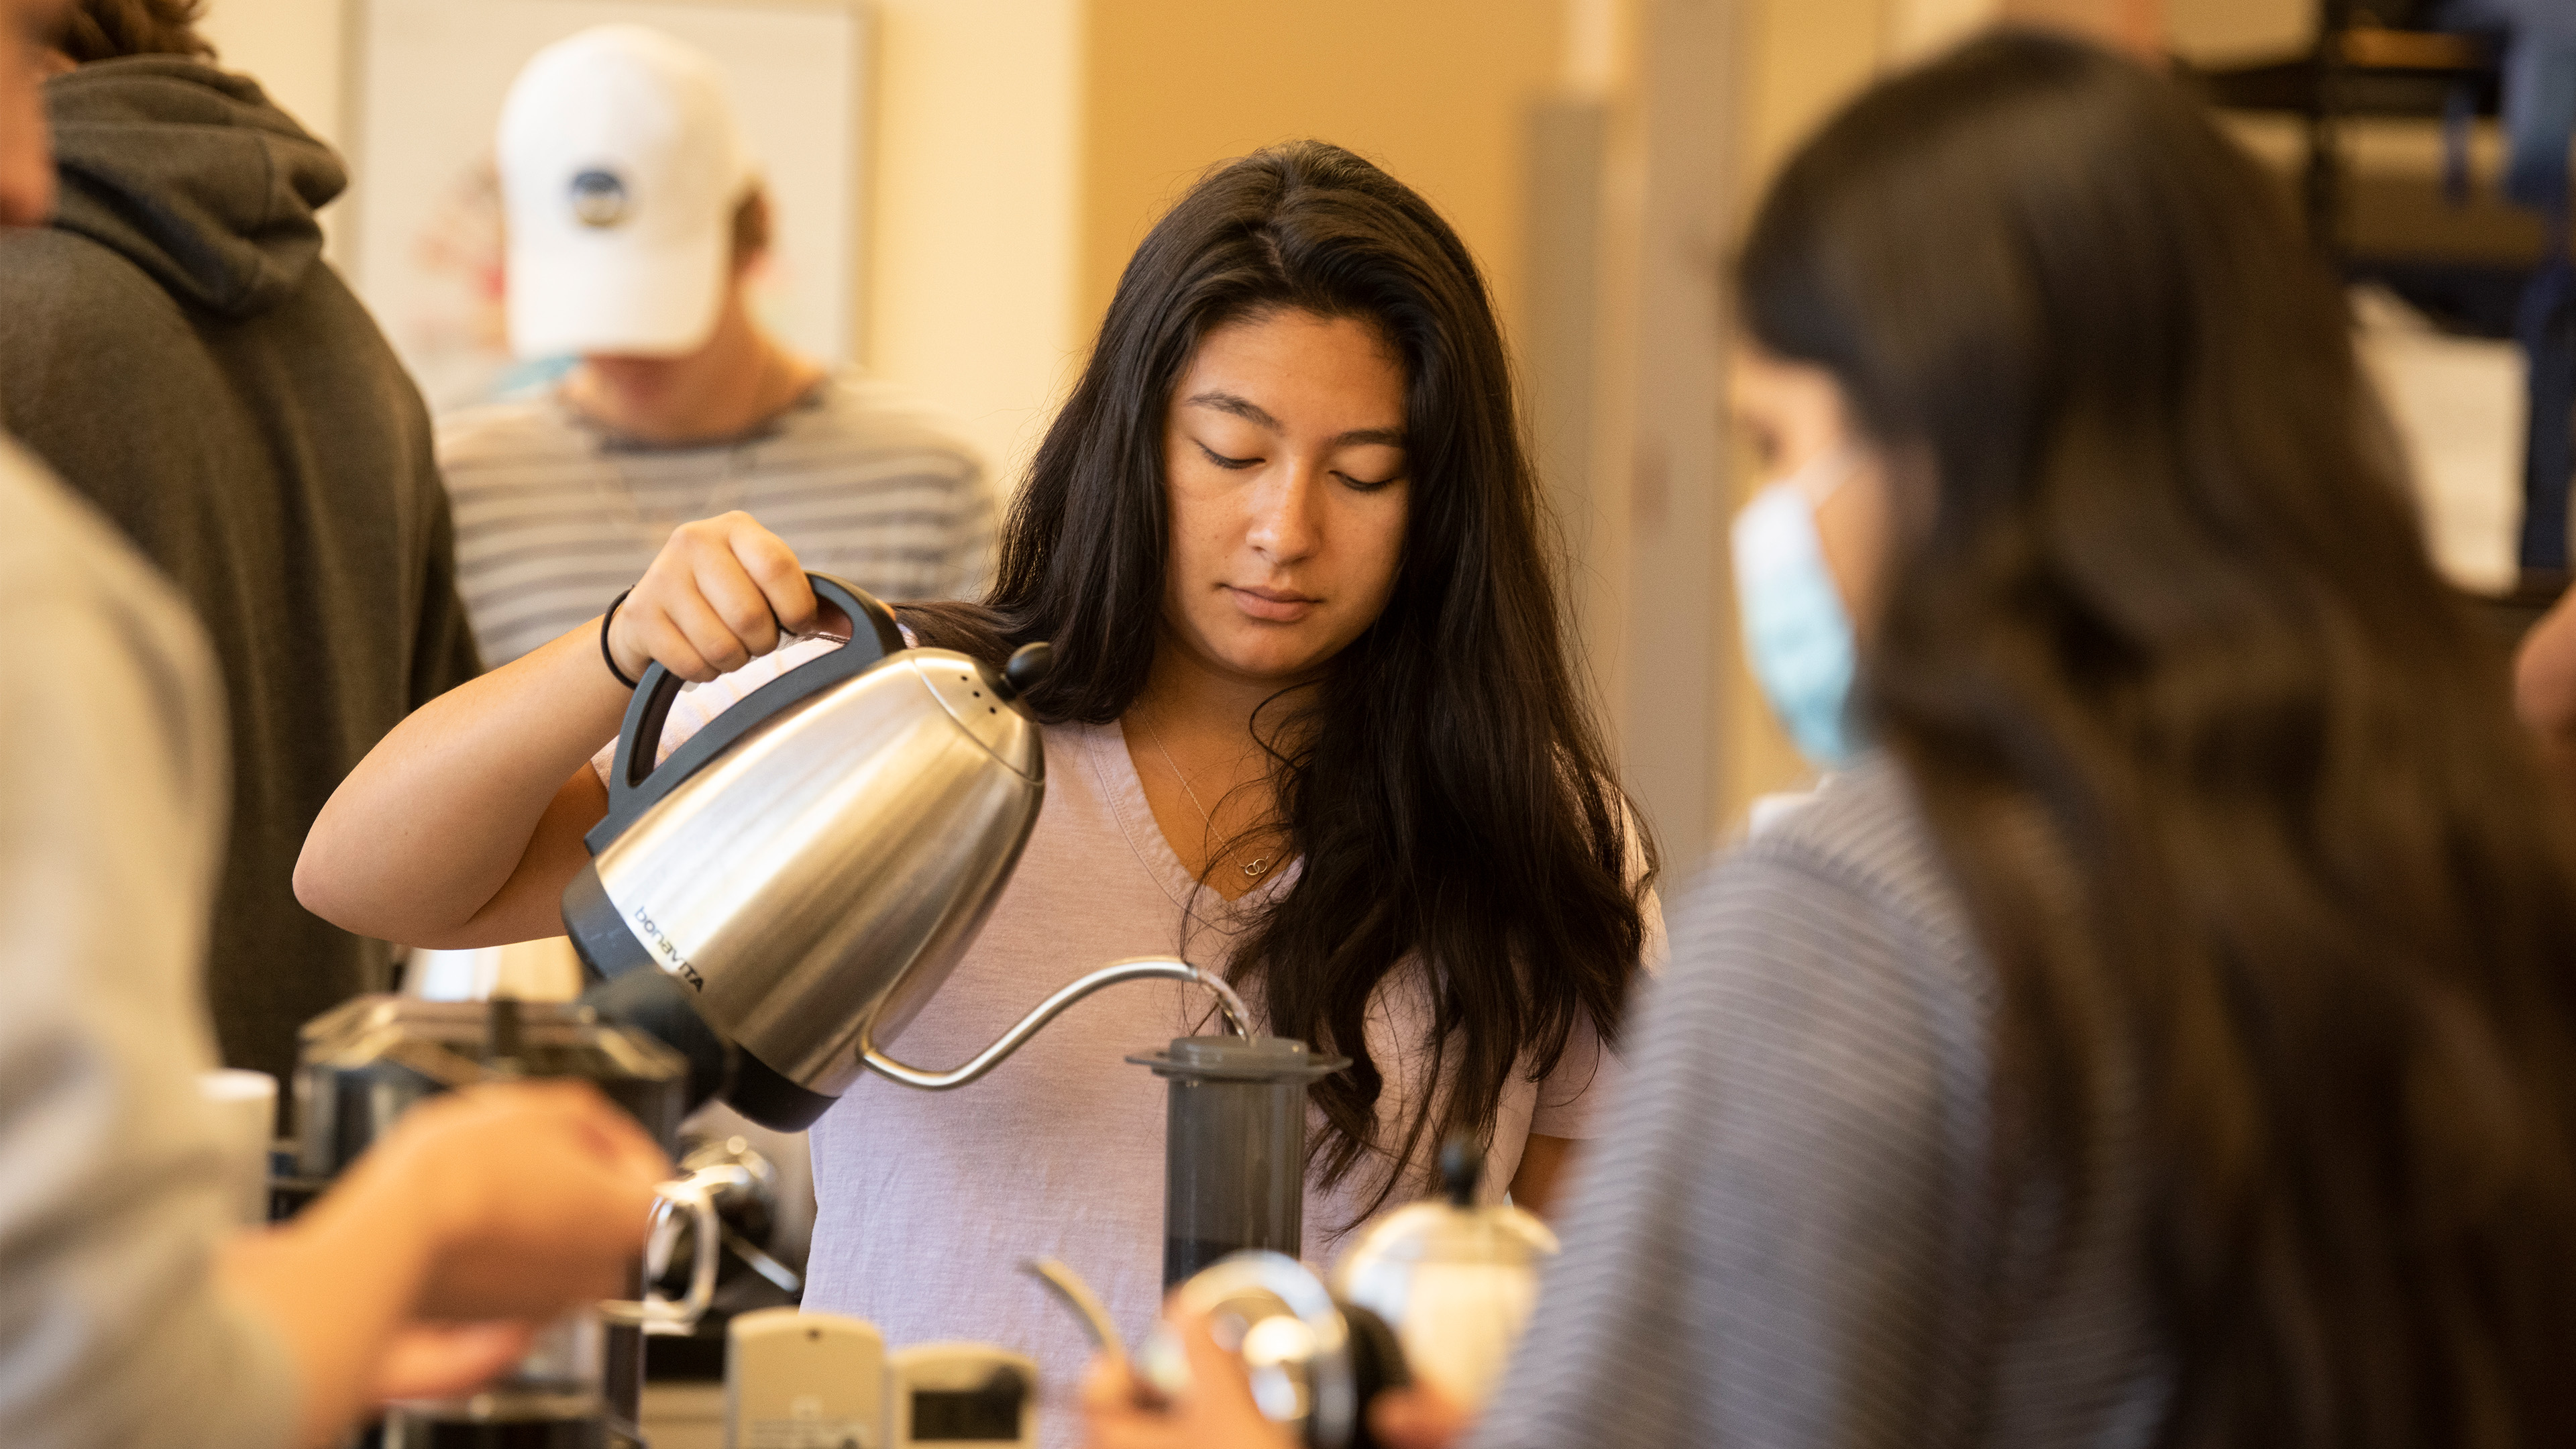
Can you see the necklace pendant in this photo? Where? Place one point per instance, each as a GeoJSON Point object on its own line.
{"type": "Point", "coordinates": [1255, 869]}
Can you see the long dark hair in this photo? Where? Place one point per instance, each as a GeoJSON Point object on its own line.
{"type": "Point", "coordinates": [1447, 787]}
{"type": "Point", "coordinates": [2226, 773]}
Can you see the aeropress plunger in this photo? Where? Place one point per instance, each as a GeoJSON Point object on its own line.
{"type": "Point", "coordinates": [1234, 1146]}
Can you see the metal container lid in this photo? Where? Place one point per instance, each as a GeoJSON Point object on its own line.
{"type": "Point", "coordinates": [364, 1063]}
{"type": "Point", "coordinates": [1497, 1234]}
{"type": "Point", "coordinates": [983, 707]}
{"type": "Point", "coordinates": [454, 1043]}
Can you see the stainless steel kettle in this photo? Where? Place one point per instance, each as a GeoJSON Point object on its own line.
{"type": "Point", "coordinates": [784, 892]}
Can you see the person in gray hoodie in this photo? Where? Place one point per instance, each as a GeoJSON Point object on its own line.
{"type": "Point", "coordinates": [175, 347]}
{"type": "Point", "coordinates": [131, 1314]}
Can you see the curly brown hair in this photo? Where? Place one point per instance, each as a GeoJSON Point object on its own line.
{"type": "Point", "coordinates": [113, 29]}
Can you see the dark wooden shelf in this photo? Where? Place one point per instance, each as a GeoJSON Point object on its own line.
{"type": "Point", "coordinates": [2365, 70]}
{"type": "Point", "coordinates": [2369, 61]}
{"type": "Point", "coordinates": [2302, 86]}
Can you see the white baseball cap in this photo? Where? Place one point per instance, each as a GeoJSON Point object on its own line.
{"type": "Point", "coordinates": [621, 168]}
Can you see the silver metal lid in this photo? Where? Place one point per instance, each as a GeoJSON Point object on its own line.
{"type": "Point", "coordinates": [966, 690]}
{"type": "Point", "coordinates": [1275, 1316]}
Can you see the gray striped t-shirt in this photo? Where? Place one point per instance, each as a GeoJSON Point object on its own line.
{"type": "Point", "coordinates": [554, 516]}
{"type": "Point", "coordinates": [1794, 1234]}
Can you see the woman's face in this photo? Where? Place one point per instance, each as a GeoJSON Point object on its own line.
{"type": "Point", "coordinates": [1798, 421]}
{"type": "Point", "coordinates": [1283, 455]}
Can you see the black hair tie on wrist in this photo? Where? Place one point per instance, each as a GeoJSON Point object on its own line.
{"type": "Point", "coordinates": [604, 621]}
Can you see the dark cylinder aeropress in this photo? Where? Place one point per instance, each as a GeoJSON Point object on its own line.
{"type": "Point", "coordinates": [1234, 1146]}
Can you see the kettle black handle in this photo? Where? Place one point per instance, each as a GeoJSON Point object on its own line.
{"type": "Point", "coordinates": [635, 785]}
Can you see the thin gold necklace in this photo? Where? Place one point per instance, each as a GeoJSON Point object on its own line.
{"type": "Point", "coordinates": [1252, 869]}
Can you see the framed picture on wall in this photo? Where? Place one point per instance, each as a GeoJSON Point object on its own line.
{"type": "Point", "coordinates": [427, 81]}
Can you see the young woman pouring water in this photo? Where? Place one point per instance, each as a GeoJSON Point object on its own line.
{"type": "Point", "coordinates": [1312, 721]}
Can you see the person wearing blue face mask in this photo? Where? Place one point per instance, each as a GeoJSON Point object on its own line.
{"type": "Point", "coordinates": [1800, 547]}
{"type": "Point", "coordinates": [2160, 1029]}
{"type": "Point", "coordinates": [1797, 634]}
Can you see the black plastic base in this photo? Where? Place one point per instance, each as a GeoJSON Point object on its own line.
{"type": "Point", "coordinates": [598, 929]}
{"type": "Point", "coordinates": [770, 1099]}
{"type": "Point", "coordinates": [633, 989]}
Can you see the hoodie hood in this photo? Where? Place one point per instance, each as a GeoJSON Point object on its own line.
{"type": "Point", "coordinates": [191, 174]}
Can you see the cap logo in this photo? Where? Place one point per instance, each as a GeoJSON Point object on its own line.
{"type": "Point", "coordinates": [599, 198]}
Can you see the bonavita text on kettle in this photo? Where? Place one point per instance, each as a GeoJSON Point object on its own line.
{"type": "Point", "coordinates": [672, 961]}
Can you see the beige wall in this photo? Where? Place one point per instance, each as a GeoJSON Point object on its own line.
{"type": "Point", "coordinates": [1022, 147]}
{"type": "Point", "coordinates": [1175, 85]}
{"type": "Point", "coordinates": [975, 220]}
{"type": "Point", "coordinates": [1804, 57]}
{"type": "Point", "coordinates": [293, 46]}
{"type": "Point", "coordinates": [2223, 30]}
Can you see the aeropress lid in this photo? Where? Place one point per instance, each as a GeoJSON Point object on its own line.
{"type": "Point", "coordinates": [1240, 1059]}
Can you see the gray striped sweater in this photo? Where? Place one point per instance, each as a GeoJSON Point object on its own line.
{"type": "Point", "coordinates": [1794, 1234]}
{"type": "Point", "coordinates": [555, 517]}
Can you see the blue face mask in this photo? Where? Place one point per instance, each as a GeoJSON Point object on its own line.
{"type": "Point", "coordinates": [1797, 634]}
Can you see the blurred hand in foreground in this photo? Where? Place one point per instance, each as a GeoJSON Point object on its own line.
{"type": "Point", "coordinates": [483, 1215]}
{"type": "Point", "coordinates": [1120, 1412]}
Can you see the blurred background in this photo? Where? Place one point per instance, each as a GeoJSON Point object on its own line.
{"type": "Point", "coordinates": [959, 183]}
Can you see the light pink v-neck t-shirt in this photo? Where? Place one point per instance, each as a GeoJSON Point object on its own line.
{"type": "Point", "coordinates": [927, 1202]}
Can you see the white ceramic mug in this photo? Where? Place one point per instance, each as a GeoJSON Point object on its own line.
{"type": "Point", "coordinates": [244, 1105]}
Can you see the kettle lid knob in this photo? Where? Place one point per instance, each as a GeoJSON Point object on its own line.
{"type": "Point", "coordinates": [1029, 664]}
{"type": "Point", "coordinates": [1460, 1165]}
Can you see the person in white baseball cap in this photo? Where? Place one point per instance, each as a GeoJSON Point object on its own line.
{"type": "Point", "coordinates": [622, 170]}
{"type": "Point", "coordinates": [637, 222]}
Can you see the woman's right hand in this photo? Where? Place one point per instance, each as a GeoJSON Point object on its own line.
{"type": "Point", "coordinates": [462, 827]}
{"type": "Point", "coordinates": [714, 599]}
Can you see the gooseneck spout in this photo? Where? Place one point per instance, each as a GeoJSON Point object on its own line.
{"type": "Point", "coordinates": [1238, 1019]}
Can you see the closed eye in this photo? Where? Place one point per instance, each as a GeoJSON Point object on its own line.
{"type": "Point", "coordinates": [1222, 460]}
{"type": "Point", "coordinates": [1369, 485]}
